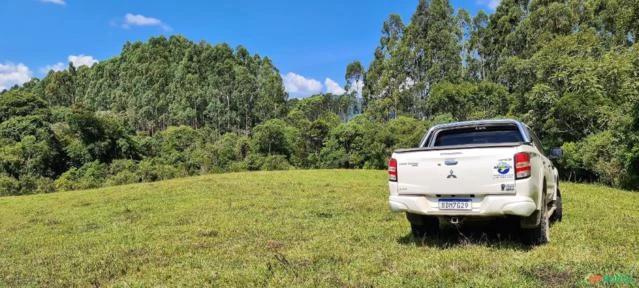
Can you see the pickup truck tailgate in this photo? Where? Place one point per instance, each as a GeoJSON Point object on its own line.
{"type": "Point", "coordinates": [456, 171]}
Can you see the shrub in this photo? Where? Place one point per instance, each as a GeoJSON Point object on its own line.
{"type": "Point", "coordinates": [9, 186]}
{"type": "Point", "coordinates": [226, 150]}
{"type": "Point", "coordinates": [154, 169]}
{"type": "Point", "coordinates": [90, 175]}
{"type": "Point", "coordinates": [35, 184]}
{"type": "Point", "coordinates": [123, 177]}
{"type": "Point", "coordinates": [123, 172]}
{"type": "Point", "coordinates": [275, 162]}
{"type": "Point", "coordinates": [275, 137]}
{"type": "Point", "coordinates": [253, 162]}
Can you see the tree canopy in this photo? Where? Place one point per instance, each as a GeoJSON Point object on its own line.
{"type": "Point", "coordinates": [567, 68]}
{"type": "Point", "coordinates": [173, 81]}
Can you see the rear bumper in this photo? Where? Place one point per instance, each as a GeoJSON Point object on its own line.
{"type": "Point", "coordinates": [489, 205]}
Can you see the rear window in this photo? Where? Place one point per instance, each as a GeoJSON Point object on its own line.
{"type": "Point", "coordinates": [478, 135]}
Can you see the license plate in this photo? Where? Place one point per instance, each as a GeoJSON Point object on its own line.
{"type": "Point", "coordinates": [455, 204]}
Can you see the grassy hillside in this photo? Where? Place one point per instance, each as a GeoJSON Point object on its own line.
{"type": "Point", "coordinates": [296, 228]}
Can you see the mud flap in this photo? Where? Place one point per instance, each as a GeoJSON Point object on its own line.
{"type": "Point", "coordinates": [531, 221]}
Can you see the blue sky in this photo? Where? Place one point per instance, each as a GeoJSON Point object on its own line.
{"type": "Point", "coordinates": [310, 42]}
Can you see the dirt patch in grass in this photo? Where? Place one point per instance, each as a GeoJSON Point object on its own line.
{"type": "Point", "coordinates": [207, 233]}
{"type": "Point", "coordinates": [551, 277]}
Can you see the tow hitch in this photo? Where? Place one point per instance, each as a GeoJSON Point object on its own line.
{"type": "Point", "coordinates": [455, 220]}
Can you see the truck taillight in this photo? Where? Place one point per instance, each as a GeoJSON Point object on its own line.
{"type": "Point", "coordinates": [392, 170]}
{"type": "Point", "coordinates": [522, 165]}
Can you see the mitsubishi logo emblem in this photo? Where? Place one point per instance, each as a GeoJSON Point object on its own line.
{"type": "Point", "coordinates": [451, 175]}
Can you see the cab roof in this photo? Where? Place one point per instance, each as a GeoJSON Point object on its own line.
{"type": "Point", "coordinates": [478, 123]}
{"type": "Point", "coordinates": [520, 125]}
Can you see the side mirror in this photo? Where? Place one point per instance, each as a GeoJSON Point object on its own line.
{"type": "Point", "coordinates": [555, 153]}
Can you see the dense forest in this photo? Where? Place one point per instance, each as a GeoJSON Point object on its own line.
{"type": "Point", "coordinates": [170, 107]}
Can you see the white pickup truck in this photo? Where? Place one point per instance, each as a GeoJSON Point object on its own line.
{"type": "Point", "coordinates": [477, 169]}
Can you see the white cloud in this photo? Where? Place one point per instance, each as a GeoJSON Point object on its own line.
{"type": "Point", "coordinates": [333, 87]}
{"type": "Point", "coordinates": [141, 20]}
{"type": "Point", "coordinates": [492, 4]}
{"type": "Point", "coordinates": [77, 60]}
{"type": "Point", "coordinates": [55, 67]}
{"type": "Point", "coordinates": [13, 74]}
{"type": "Point", "coordinates": [57, 2]}
{"type": "Point", "coordinates": [299, 86]}
{"type": "Point", "coordinates": [82, 60]}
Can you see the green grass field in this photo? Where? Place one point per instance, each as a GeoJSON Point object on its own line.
{"type": "Point", "coordinates": [327, 228]}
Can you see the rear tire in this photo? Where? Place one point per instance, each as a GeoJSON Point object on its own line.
{"type": "Point", "coordinates": [540, 234]}
{"type": "Point", "coordinates": [422, 225]}
{"type": "Point", "coordinates": [558, 215]}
